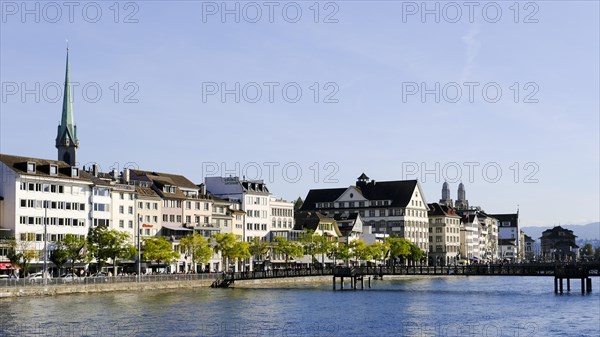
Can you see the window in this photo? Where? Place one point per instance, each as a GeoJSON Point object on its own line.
{"type": "Point", "coordinates": [53, 170]}
{"type": "Point", "coordinates": [121, 196]}
{"type": "Point", "coordinates": [130, 210]}
{"type": "Point", "coordinates": [155, 218]}
{"type": "Point", "coordinates": [30, 167]}
{"type": "Point", "coordinates": [371, 213]}
{"type": "Point", "coordinates": [172, 218]}
{"type": "Point", "coordinates": [147, 205]}
{"type": "Point", "coordinates": [165, 217]}
{"type": "Point", "coordinates": [74, 172]}
{"type": "Point", "coordinates": [155, 205]}
{"type": "Point", "coordinates": [179, 218]}
{"type": "Point", "coordinates": [188, 219]}
{"type": "Point", "coordinates": [206, 206]}
{"type": "Point", "coordinates": [121, 224]}
{"type": "Point", "coordinates": [130, 223]}
{"type": "Point", "coordinates": [121, 209]}
{"type": "Point", "coordinates": [141, 205]}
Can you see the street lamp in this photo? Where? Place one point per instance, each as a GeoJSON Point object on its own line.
{"type": "Point", "coordinates": [139, 254]}
{"type": "Point", "coordinates": [45, 241]}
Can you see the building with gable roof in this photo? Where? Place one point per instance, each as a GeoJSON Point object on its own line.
{"type": "Point", "coordinates": [396, 208]}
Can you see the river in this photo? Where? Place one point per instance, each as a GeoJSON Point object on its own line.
{"type": "Point", "coordinates": [411, 306]}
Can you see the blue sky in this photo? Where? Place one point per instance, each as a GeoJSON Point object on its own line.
{"type": "Point", "coordinates": [371, 62]}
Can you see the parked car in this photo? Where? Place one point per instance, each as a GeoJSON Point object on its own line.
{"type": "Point", "coordinates": [70, 277]}
{"type": "Point", "coordinates": [37, 277]}
{"type": "Point", "coordinates": [100, 274]}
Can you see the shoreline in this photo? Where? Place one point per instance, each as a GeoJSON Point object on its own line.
{"type": "Point", "coordinates": [71, 289]}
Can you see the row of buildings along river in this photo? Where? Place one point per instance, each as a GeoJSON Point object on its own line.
{"type": "Point", "coordinates": [57, 197]}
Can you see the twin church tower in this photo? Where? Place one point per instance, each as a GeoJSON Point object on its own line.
{"type": "Point", "coordinates": [66, 137]}
{"type": "Point", "coordinates": [461, 203]}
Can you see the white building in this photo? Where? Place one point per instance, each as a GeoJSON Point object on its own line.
{"type": "Point", "coordinates": [38, 190]}
{"type": "Point", "coordinates": [387, 207]}
{"type": "Point", "coordinates": [254, 198]}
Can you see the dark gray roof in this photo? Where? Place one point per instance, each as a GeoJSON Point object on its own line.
{"type": "Point", "coordinates": [19, 165]}
{"type": "Point", "coordinates": [399, 192]}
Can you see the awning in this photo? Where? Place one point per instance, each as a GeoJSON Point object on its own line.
{"type": "Point", "coordinates": [6, 265]}
{"type": "Point", "coordinates": [177, 228]}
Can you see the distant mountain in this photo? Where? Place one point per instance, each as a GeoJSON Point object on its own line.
{"type": "Point", "coordinates": [590, 231]}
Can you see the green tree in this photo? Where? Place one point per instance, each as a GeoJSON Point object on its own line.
{"type": "Point", "coordinates": [379, 250]}
{"type": "Point", "coordinates": [309, 242]}
{"type": "Point", "coordinates": [298, 204]}
{"type": "Point", "coordinates": [341, 252]}
{"type": "Point", "coordinates": [399, 248]}
{"type": "Point", "coordinates": [59, 256]}
{"type": "Point", "coordinates": [197, 247]}
{"type": "Point", "coordinates": [416, 254]}
{"type": "Point", "coordinates": [20, 254]}
{"type": "Point", "coordinates": [258, 248]}
{"type": "Point", "coordinates": [289, 249]}
{"type": "Point", "coordinates": [241, 251]}
{"type": "Point", "coordinates": [359, 251]}
{"type": "Point", "coordinates": [159, 249]}
{"type": "Point", "coordinates": [225, 243]}
{"type": "Point", "coordinates": [588, 250]}
{"type": "Point", "coordinates": [74, 247]}
{"type": "Point", "coordinates": [109, 244]}
{"type": "Point", "coordinates": [597, 254]}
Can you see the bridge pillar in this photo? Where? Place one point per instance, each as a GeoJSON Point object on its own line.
{"type": "Point", "coordinates": [370, 282]}
{"type": "Point", "coordinates": [342, 283]}
{"type": "Point", "coordinates": [334, 283]}
{"type": "Point", "coordinates": [582, 286]}
{"type": "Point", "coordinates": [568, 284]}
{"type": "Point", "coordinates": [561, 285]}
{"type": "Point", "coordinates": [555, 285]}
{"type": "Point", "coordinates": [589, 284]}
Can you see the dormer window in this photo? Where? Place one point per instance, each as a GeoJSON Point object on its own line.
{"type": "Point", "coordinates": [30, 167]}
{"type": "Point", "coordinates": [53, 170]}
{"type": "Point", "coordinates": [74, 172]}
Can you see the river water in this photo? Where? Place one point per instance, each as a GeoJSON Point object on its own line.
{"type": "Point", "coordinates": [439, 306]}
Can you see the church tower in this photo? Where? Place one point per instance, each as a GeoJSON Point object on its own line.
{"type": "Point", "coordinates": [446, 200]}
{"type": "Point", "coordinates": [462, 203]}
{"type": "Point", "coordinates": [66, 138]}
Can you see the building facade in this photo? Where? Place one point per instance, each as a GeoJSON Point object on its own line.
{"type": "Point", "coordinates": [396, 208]}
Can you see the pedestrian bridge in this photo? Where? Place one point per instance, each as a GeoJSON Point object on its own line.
{"type": "Point", "coordinates": [355, 274]}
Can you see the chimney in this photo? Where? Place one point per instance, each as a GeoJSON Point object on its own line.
{"type": "Point", "coordinates": [95, 170]}
{"type": "Point", "coordinates": [125, 176]}
{"type": "Point", "coordinates": [202, 189]}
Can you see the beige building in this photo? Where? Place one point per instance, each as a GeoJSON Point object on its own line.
{"type": "Point", "coordinates": [444, 235]}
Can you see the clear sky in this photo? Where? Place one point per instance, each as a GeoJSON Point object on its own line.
{"type": "Point", "coordinates": [402, 92]}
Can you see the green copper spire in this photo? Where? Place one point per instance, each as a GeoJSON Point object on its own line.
{"type": "Point", "coordinates": [67, 131]}
{"type": "Point", "coordinates": [66, 138]}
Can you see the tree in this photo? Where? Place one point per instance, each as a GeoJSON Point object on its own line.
{"type": "Point", "coordinates": [290, 249]}
{"type": "Point", "coordinates": [197, 247]}
{"type": "Point", "coordinates": [416, 254]}
{"type": "Point", "coordinates": [341, 252]}
{"type": "Point", "coordinates": [241, 251]}
{"type": "Point", "coordinates": [74, 247]}
{"type": "Point", "coordinates": [588, 250]}
{"type": "Point", "coordinates": [309, 242]}
{"type": "Point", "coordinates": [379, 250]}
{"type": "Point", "coordinates": [20, 254]}
{"type": "Point", "coordinates": [298, 204]}
{"type": "Point", "coordinates": [159, 249]}
{"type": "Point", "coordinates": [109, 244]}
{"type": "Point", "coordinates": [59, 256]}
{"type": "Point", "coordinates": [399, 248]}
{"type": "Point", "coordinates": [359, 251]}
{"type": "Point", "coordinates": [258, 247]}
{"type": "Point", "coordinates": [225, 243]}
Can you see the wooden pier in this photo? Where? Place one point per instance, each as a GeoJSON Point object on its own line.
{"type": "Point", "coordinates": [358, 276]}
{"type": "Point", "coordinates": [572, 272]}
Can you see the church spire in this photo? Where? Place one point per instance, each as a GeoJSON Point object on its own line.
{"type": "Point", "coordinates": [66, 137]}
